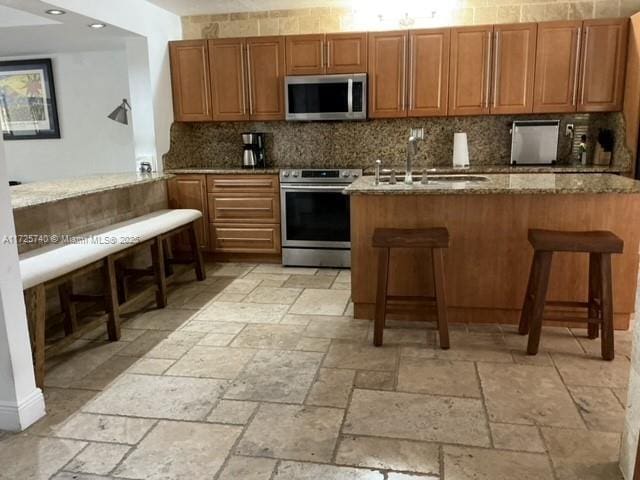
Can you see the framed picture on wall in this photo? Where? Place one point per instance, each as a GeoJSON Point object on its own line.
{"type": "Point", "coordinates": [28, 100]}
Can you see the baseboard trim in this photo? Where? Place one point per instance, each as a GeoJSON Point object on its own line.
{"type": "Point", "coordinates": [15, 418]}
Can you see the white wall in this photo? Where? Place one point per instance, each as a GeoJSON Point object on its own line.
{"type": "Point", "coordinates": [89, 85]}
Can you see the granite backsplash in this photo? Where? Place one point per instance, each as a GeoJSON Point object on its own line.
{"type": "Point", "coordinates": [359, 144]}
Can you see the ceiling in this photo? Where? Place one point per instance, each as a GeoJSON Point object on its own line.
{"type": "Point", "coordinates": [200, 7]}
{"type": "Point", "coordinates": [25, 29]}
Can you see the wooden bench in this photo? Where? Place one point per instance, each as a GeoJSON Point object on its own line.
{"type": "Point", "coordinates": [57, 266]}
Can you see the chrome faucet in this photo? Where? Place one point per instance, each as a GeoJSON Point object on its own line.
{"type": "Point", "coordinates": [378, 163]}
{"type": "Point", "coordinates": [412, 150]}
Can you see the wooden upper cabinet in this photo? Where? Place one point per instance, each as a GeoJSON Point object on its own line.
{"type": "Point", "coordinates": [470, 70]}
{"type": "Point", "coordinates": [228, 79]}
{"type": "Point", "coordinates": [557, 60]}
{"type": "Point", "coordinates": [190, 80]}
{"type": "Point", "coordinates": [305, 54]}
{"type": "Point", "coordinates": [266, 70]}
{"type": "Point", "coordinates": [428, 74]}
{"type": "Point", "coordinates": [514, 61]}
{"type": "Point", "coordinates": [604, 53]}
{"type": "Point", "coordinates": [346, 53]}
{"type": "Point", "coordinates": [387, 53]}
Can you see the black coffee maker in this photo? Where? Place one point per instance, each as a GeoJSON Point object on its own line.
{"type": "Point", "coordinates": [253, 155]}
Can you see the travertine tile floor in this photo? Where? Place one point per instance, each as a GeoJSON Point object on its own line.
{"type": "Point", "coordinates": [262, 373]}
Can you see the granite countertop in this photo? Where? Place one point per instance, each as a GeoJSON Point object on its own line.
{"type": "Point", "coordinates": [226, 171]}
{"type": "Point", "coordinates": [563, 168]}
{"type": "Point", "coordinates": [500, 183]}
{"type": "Point", "coordinates": [39, 193]}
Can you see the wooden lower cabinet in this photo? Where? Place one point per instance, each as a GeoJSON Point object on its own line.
{"type": "Point", "coordinates": [244, 208]}
{"type": "Point", "coordinates": [244, 238]}
{"type": "Point", "coordinates": [190, 191]}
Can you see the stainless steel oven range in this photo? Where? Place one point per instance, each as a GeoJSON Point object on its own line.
{"type": "Point", "coordinates": [316, 227]}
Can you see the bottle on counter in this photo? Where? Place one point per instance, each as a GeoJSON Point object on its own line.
{"type": "Point", "coordinates": [582, 150]}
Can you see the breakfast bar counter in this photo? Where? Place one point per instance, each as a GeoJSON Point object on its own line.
{"type": "Point", "coordinates": [488, 259]}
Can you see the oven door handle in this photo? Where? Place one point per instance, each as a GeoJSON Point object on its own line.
{"type": "Point", "coordinates": [322, 188]}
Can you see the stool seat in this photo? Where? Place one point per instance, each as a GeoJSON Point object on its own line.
{"type": "Point", "coordinates": [586, 242]}
{"type": "Point", "coordinates": [411, 238]}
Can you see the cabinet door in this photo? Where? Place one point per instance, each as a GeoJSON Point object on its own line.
{"type": "Point", "coordinates": [387, 74]}
{"type": "Point", "coordinates": [514, 61]}
{"type": "Point", "coordinates": [305, 54]}
{"type": "Point", "coordinates": [604, 54]}
{"type": "Point", "coordinates": [244, 238]}
{"type": "Point", "coordinates": [244, 208]}
{"type": "Point", "coordinates": [428, 72]}
{"type": "Point", "coordinates": [190, 191]}
{"type": "Point", "coordinates": [557, 59]}
{"type": "Point", "coordinates": [190, 80]}
{"type": "Point", "coordinates": [470, 75]}
{"type": "Point", "coordinates": [266, 69]}
{"type": "Point", "coordinates": [228, 79]}
{"type": "Point", "coordinates": [346, 53]}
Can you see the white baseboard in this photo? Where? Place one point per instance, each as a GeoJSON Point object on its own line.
{"type": "Point", "coordinates": [15, 418]}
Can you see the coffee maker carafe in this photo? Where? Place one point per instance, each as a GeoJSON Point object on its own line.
{"type": "Point", "coordinates": [253, 154]}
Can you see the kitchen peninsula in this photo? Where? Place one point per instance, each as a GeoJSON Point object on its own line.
{"type": "Point", "coordinates": [487, 263]}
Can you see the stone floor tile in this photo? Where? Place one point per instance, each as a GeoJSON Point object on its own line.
{"type": "Point", "coordinates": [193, 297]}
{"type": "Point", "coordinates": [593, 371]}
{"type": "Point", "coordinates": [349, 310]}
{"type": "Point", "coordinates": [276, 376]}
{"type": "Point", "coordinates": [98, 458]}
{"type": "Point", "coordinates": [248, 468]}
{"type": "Point", "coordinates": [311, 471]}
{"type": "Point", "coordinates": [79, 476]}
{"type": "Point", "coordinates": [552, 340]}
{"type": "Point", "coordinates": [410, 476]}
{"type": "Point", "coordinates": [144, 343]}
{"type": "Point", "coordinates": [35, 458]}
{"type": "Point", "coordinates": [466, 463]}
{"type": "Point", "coordinates": [344, 276]}
{"type": "Point", "coordinates": [184, 337]}
{"type": "Point", "coordinates": [279, 337]}
{"type": "Point", "coordinates": [621, 395]}
{"type": "Point", "coordinates": [389, 454]}
{"type": "Point", "coordinates": [309, 281]}
{"type": "Point", "coordinates": [212, 362]}
{"type": "Point", "coordinates": [280, 269]}
{"type": "Point", "coordinates": [332, 388]}
{"type": "Point", "coordinates": [583, 455]}
{"type": "Point", "coordinates": [438, 377]}
{"type": "Point", "coordinates": [527, 395]}
{"type": "Point", "coordinates": [229, 297]}
{"type": "Point", "coordinates": [328, 272]}
{"type": "Point", "coordinates": [336, 327]}
{"type": "Point", "coordinates": [623, 343]}
{"type": "Point", "coordinates": [417, 417]}
{"type": "Point", "coordinates": [61, 404]}
{"type": "Point", "coordinates": [490, 328]}
{"type": "Point", "coordinates": [228, 328]}
{"type": "Point", "coordinates": [104, 428]}
{"type": "Point", "coordinates": [466, 347]}
{"type": "Point", "coordinates": [230, 270]}
{"type": "Point", "coordinates": [180, 450]}
{"type": "Point", "coordinates": [314, 301]}
{"type": "Point", "coordinates": [375, 380]}
{"type": "Point", "coordinates": [344, 286]}
{"type": "Point", "coordinates": [242, 312]}
{"type": "Point", "coordinates": [307, 344]}
{"type": "Point", "coordinates": [268, 279]}
{"type": "Point", "coordinates": [158, 397]}
{"type": "Point", "coordinates": [275, 295]}
{"type": "Point", "coordinates": [161, 319]}
{"type": "Point", "coordinates": [599, 407]}
{"type": "Point", "coordinates": [524, 438]}
{"type": "Point", "coordinates": [292, 432]}
{"type": "Point", "coordinates": [296, 320]}
{"type": "Point", "coordinates": [361, 356]}
{"type": "Point", "coordinates": [216, 340]}
{"type": "Point", "coordinates": [542, 359]}
{"type": "Point", "coordinates": [234, 412]}
{"type": "Point", "coordinates": [404, 336]}
{"type": "Point", "coordinates": [168, 351]}
{"type": "Point", "coordinates": [100, 333]}
{"type": "Point", "coordinates": [104, 374]}
{"type": "Point", "coordinates": [242, 285]}
{"type": "Point", "coordinates": [150, 366]}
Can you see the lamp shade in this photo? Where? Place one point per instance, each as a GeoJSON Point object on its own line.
{"type": "Point", "coordinates": [120, 114]}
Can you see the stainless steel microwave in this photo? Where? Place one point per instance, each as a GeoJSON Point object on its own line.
{"type": "Point", "coordinates": [326, 97]}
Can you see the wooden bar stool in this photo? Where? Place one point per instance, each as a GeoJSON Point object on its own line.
{"type": "Point", "coordinates": [599, 245]}
{"type": "Point", "coordinates": [434, 239]}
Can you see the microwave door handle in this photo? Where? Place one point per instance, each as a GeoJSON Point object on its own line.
{"type": "Point", "coordinates": [350, 95]}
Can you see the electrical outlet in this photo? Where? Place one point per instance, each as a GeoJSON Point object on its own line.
{"type": "Point", "coordinates": [569, 130]}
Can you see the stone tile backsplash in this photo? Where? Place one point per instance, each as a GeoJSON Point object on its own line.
{"type": "Point", "coordinates": [359, 144]}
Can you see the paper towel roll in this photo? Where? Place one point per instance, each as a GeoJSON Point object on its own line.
{"type": "Point", "coordinates": [460, 151]}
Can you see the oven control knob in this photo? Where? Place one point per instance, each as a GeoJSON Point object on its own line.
{"type": "Point", "coordinates": [355, 174]}
{"type": "Point", "coordinates": [294, 173]}
{"type": "Point", "coordinates": [285, 173]}
{"type": "Point", "coordinates": [345, 174]}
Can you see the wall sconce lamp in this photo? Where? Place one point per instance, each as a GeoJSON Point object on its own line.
{"type": "Point", "coordinates": [120, 114]}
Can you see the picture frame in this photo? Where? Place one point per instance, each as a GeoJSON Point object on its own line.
{"type": "Point", "coordinates": [28, 109]}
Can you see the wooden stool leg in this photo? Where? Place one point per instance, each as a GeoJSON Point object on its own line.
{"type": "Point", "coordinates": [36, 302]}
{"type": "Point", "coordinates": [525, 315]}
{"type": "Point", "coordinates": [197, 254]}
{"type": "Point", "coordinates": [157, 260]}
{"type": "Point", "coordinates": [543, 260]}
{"type": "Point", "coordinates": [168, 254]}
{"type": "Point", "coordinates": [441, 300]}
{"type": "Point", "coordinates": [381, 296]}
{"type": "Point", "coordinates": [121, 278]}
{"type": "Point", "coordinates": [70, 319]}
{"type": "Point", "coordinates": [606, 300]}
{"type": "Point", "coordinates": [111, 299]}
{"type": "Point", "coordinates": [594, 295]}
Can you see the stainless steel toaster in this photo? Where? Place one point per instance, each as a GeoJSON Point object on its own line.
{"type": "Point", "coordinates": [534, 142]}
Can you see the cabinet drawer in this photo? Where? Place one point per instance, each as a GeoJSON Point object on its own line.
{"type": "Point", "coordinates": [244, 238]}
{"type": "Point", "coordinates": [242, 183]}
{"type": "Point", "coordinates": [244, 208]}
